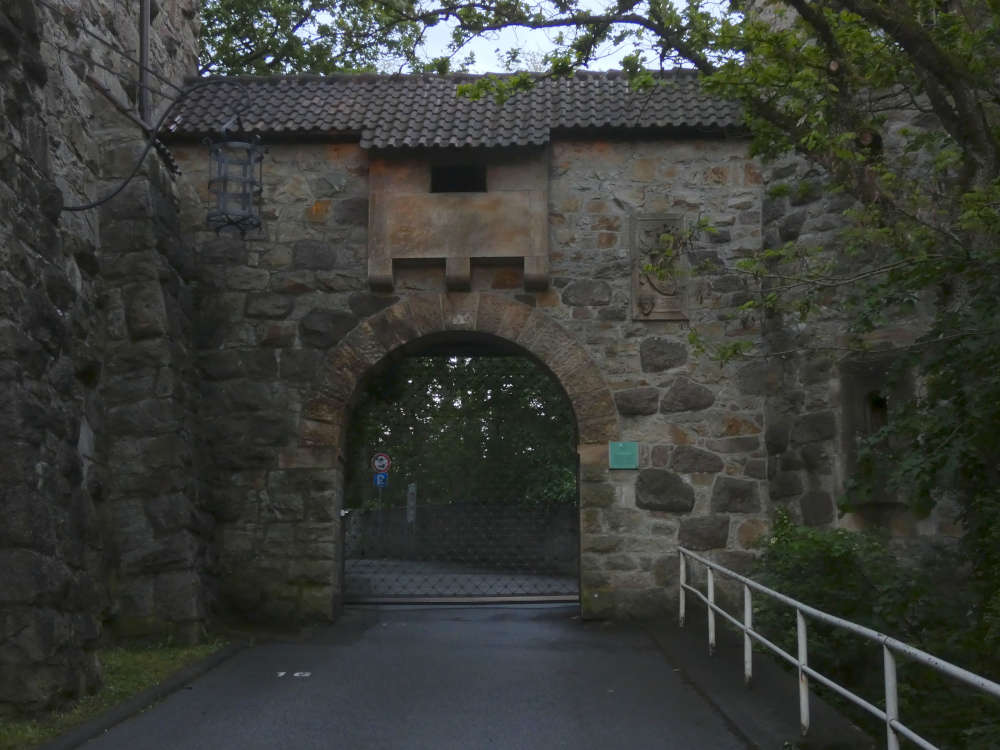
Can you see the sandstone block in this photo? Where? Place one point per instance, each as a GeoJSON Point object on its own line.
{"type": "Point", "coordinates": [816, 458]}
{"type": "Point", "coordinates": [750, 532]}
{"type": "Point", "coordinates": [587, 292]}
{"type": "Point", "coordinates": [145, 311]}
{"type": "Point", "coordinates": [658, 489]}
{"type": "Point", "coordinates": [637, 401]}
{"type": "Point", "coordinates": [732, 495]}
{"type": "Point", "coordinates": [620, 561]}
{"type": "Point", "coordinates": [659, 456]}
{"type": "Point", "coordinates": [394, 327]}
{"type": "Point", "coordinates": [659, 354]}
{"type": "Point", "coordinates": [686, 395]}
{"type": "Point", "coordinates": [761, 378]}
{"type": "Point", "coordinates": [690, 460]}
{"type": "Point", "coordinates": [596, 495]}
{"type": "Point", "coordinates": [270, 306]}
{"type": "Point", "coordinates": [744, 444]}
{"type": "Point", "coordinates": [324, 328]}
{"type": "Point", "coordinates": [704, 532]}
{"type": "Point", "coordinates": [811, 428]}
{"type": "Point", "coordinates": [593, 462]}
{"type": "Point", "coordinates": [364, 304]}
{"type": "Point", "coordinates": [624, 520]}
{"type": "Point", "coordinates": [425, 311]}
{"type": "Point", "coordinates": [312, 255]}
{"type": "Point", "coordinates": [785, 484]}
{"type": "Point", "coordinates": [602, 544]}
{"type": "Point", "coordinates": [776, 434]}
{"type": "Point", "coordinates": [599, 429]}
{"type": "Point", "coordinates": [459, 310]}
{"type": "Point", "coordinates": [756, 468]}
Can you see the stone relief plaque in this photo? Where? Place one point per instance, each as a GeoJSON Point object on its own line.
{"type": "Point", "coordinates": [655, 297]}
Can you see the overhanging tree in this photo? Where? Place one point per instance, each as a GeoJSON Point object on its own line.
{"type": "Point", "coordinates": [899, 105]}
{"type": "Point", "coordinates": [267, 37]}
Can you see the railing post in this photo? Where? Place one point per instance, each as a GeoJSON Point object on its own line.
{"type": "Point", "coordinates": [747, 643]}
{"type": "Point", "coordinates": [683, 582]}
{"type": "Point", "coordinates": [800, 629]}
{"type": "Point", "coordinates": [891, 698]}
{"type": "Point", "coordinates": [711, 611]}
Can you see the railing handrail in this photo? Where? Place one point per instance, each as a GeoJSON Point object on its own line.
{"type": "Point", "coordinates": [889, 645]}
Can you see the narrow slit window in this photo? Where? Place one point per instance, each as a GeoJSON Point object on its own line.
{"type": "Point", "coordinates": [878, 412]}
{"type": "Point", "coordinates": [458, 178]}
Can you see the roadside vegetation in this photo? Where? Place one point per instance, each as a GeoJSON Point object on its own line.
{"type": "Point", "coordinates": [921, 597]}
{"type": "Point", "coordinates": [128, 670]}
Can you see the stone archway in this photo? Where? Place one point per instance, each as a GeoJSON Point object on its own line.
{"type": "Point", "coordinates": [323, 420]}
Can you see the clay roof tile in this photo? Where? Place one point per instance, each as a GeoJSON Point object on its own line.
{"type": "Point", "coordinates": [425, 110]}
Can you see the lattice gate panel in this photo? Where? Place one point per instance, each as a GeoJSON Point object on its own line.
{"type": "Point", "coordinates": [462, 551]}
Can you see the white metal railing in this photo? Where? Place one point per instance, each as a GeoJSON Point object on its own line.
{"type": "Point", "coordinates": [890, 646]}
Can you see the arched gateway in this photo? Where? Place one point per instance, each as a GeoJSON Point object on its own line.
{"type": "Point", "coordinates": [489, 320]}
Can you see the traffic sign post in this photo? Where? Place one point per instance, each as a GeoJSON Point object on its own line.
{"type": "Point", "coordinates": [380, 465]}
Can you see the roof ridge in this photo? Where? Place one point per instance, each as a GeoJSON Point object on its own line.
{"type": "Point", "coordinates": [429, 76]}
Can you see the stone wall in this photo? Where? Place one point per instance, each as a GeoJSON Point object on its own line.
{"type": "Point", "coordinates": [63, 143]}
{"type": "Point", "coordinates": [277, 310]}
{"type": "Point", "coordinates": [699, 427]}
{"type": "Point", "coordinates": [819, 393]}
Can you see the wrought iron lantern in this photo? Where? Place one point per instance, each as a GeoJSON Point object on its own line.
{"type": "Point", "coordinates": [236, 170]}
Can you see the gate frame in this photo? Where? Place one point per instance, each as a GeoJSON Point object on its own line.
{"type": "Point", "coordinates": [397, 329]}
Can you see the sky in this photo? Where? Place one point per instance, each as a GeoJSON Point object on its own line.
{"type": "Point", "coordinates": [533, 43]}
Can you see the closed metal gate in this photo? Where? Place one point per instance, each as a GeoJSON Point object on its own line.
{"type": "Point", "coordinates": [462, 551]}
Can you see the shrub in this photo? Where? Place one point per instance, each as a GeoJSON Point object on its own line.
{"type": "Point", "coordinates": [924, 597]}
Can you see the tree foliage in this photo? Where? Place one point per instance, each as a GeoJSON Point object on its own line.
{"type": "Point", "coordinates": [481, 429]}
{"type": "Point", "coordinates": [266, 37]}
{"type": "Point", "coordinates": [898, 106]}
{"type": "Point", "coordinates": [921, 601]}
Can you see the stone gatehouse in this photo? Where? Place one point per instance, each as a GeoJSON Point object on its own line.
{"type": "Point", "coordinates": [175, 402]}
{"type": "Point", "coordinates": [362, 256]}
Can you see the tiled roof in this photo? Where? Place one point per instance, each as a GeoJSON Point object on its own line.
{"type": "Point", "coordinates": [424, 111]}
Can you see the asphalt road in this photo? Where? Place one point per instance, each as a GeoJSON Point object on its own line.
{"type": "Point", "coordinates": [439, 678]}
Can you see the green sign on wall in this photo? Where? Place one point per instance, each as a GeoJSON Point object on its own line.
{"type": "Point", "coordinates": [623, 455]}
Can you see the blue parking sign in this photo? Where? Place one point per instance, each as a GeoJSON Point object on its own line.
{"type": "Point", "coordinates": [381, 478]}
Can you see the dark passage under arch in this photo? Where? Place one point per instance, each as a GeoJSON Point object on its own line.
{"type": "Point", "coordinates": [481, 499]}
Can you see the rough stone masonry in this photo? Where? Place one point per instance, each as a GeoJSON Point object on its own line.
{"type": "Point", "coordinates": [173, 402]}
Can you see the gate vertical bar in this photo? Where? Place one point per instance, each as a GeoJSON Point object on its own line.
{"type": "Point", "coordinates": [891, 698]}
{"type": "Point", "coordinates": [747, 642]}
{"type": "Point", "coordinates": [800, 629]}
{"type": "Point", "coordinates": [711, 611]}
{"type": "Point", "coordinates": [683, 582]}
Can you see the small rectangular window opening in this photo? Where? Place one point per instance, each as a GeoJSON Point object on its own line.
{"type": "Point", "coordinates": [458, 178]}
{"type": "Point", "coordinates": [878, 412]}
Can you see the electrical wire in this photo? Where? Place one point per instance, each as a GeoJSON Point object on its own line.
{"type": "Point", "coordinates": [153, 138]}
{"type": "Point", "coordinates": [152, 134]}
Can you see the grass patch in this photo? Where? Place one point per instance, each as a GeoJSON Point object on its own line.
{"type": "Point", "coordinates": [128, 670]}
